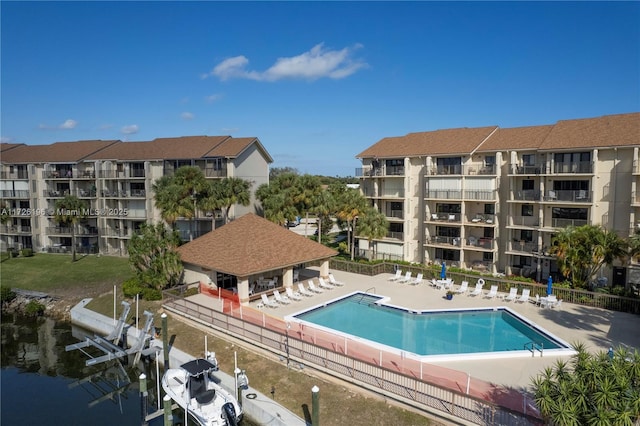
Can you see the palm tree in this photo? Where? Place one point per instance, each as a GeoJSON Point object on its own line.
{"type": "Point", "coordinates": [233, 190]}
{"type": "Point", "coordinates": [69, 211]}
{"type": "Point", "coordinates": [324, 205]}
{"type": "Point", "coordinates": [350, 205]}
{"type": "Point", "coordinates": [373, 225]}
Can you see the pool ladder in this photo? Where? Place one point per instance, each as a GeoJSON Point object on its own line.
{"type": "Point", "coordinates": [365, 294]}
{"type": "Point", "coordinates": [533, 346]}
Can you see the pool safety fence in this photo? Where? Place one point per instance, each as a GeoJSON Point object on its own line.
{"type": "Point", "coordinates": [428, 387]}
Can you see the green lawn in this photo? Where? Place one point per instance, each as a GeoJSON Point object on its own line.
{"type": "Point", "coordinates": [47, 272]}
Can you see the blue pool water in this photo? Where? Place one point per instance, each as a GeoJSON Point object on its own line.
{"type": "Point", "coordinates": [430, 332]}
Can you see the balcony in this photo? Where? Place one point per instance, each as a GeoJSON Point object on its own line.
{"type": "Point", "coordinates": [577, 167]}
{"type": "Point", "coordinates": [527, 195]}
{"type": "Point", "coordinates": [58, 174]}
{"type": "Point", "coordinates": [15, 229]}
{"type": "Point", "coordinates": [482, 219]}
{"type": "Point", "coordinates": [370, 171]}
{"type": "Point", "coordinates": [121, 174]}
{"type": "Point", "coordinates": [395, 235]}
{"type": "Point", "coordinates": [527, 247]}
{"type": "Point", "coordinates": [485, 170]}
{"type": "Point", "coordinates": [440, 240]}
{"type": "Point", "coordinates": [444, 194]}
{"type": "Point", "coordinates": [396, 214]}
{"type": "Point", "coordinates": [455, 169]}
{"type": "Point", "coordinates": [563, 223]}
{"type": "Point", "coordinates": [480, 195]}
{"type": "Point", "coordinates": [528, 221]}
{"type": "Point", "coordinates": [215, 173]}
{"type": "Point", "coordinates": [8, 193]}
{"type": "Point", "coordinates": [54, 193]}
{"type": "Point", "coordinates": [571, 196]}
{"type": "Point", "coordinates": [395, 193]}
{"type": "Point", "coordinates": [527, 169]}
{"type": "Point", "coordinates": [86, 174]}
{"type": "Point", "coordinates": [480, 242]}
{"type": "Point", "coordinates": [445, 217]}
{"type": "Point", "coordinates": [19, 175]}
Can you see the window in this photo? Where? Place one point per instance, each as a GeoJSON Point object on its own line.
{"type": "Point", "coordinates": [490, 160]}
{"type": "Point", "coordinates": [570, 185]}
{"type": "Point", "coordinates": [489, 209]}
{"type": "Point", "coordinates": [527, 184]}
{"type": "Point", "coordinates": [487, 257]}
{"type": "Point", "coordinates": [526, 235]}
{"type": "Point", "coordinates": [527, 210]}
{"type": "Point", "coordinates": [529, 159]}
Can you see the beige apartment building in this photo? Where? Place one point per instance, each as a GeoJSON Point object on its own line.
{"type": "Point", "coordinates": [115, 180]}
{"type": "Point", "coordinates": [490, 199]}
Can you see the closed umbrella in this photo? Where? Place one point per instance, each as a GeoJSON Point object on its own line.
{"type": "Point", "coordinates": [443, 272]}
{"type": "Point", "coordinates": [549, 286]}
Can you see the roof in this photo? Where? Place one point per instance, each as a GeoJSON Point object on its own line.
{"type": "Point", "coordinates": [438, 142]}
{"type": "Point", "coordinates": [251, 245]}
{"type": "Point", "coordinates": [59, 152]}
{"type": "Point", "coordinates": [517, 138]}
{"type": "Point", "coordinates": [7, 146]}
{"type": "Point", "coordinates": [163, 148]}
{"type": "Point", "coordinates": [606, 131]}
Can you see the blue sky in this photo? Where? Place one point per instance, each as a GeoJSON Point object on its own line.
{"type": "Point", "coordinates": [316, 82]}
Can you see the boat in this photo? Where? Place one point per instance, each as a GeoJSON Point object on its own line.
{"type": "Point", "coordinates": [194, 388]}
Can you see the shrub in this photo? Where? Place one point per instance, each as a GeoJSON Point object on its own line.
{"type": "Point", "coordinates": [151, 294]}
{"type": "Point", "coordinates": [6, 294]}
{"type": "Point", "coordinates": [26, 252]}
{"type": "Point", "coordinates": [131, 287]}
{"type": "Point", "coordinates": [34, 308]}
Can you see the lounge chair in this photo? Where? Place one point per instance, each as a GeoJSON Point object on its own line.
{"type": "Point", "coordinates": [333, 281]}
{"type": "Point", "coordinates": [448, 284]}
{"type": "Point", "coordinates": [493, 292]}
{"type": "Point", "coordinates": [463, 287]}
{"type": "Point", "coordinates": [292, 295]}
{"type": "Point", "coordinates": [513, 294]}
{"type": "Point", "coordinates": [303, 291]}
{"type": "Point", "coordinates": [417, 281]}
{"type": "Point", "coordinates": [406, 278]}
{"type": "Point", "coordinates": [283, 300]}
{"type": "Point", "coordinates": [313, 287]}
{"type": "Point", "coordinates": [525, 296]}
{"type": "Point", "coordinates": [478, 290]}
{"type": "Point", "coordinates": [268, 302]}
{"type": "Point", "coordinates": [557, 305]}
{"type": "Point", "coordinates": [397, 276]}
{"type": "Point", "coordinates": [324, 284]}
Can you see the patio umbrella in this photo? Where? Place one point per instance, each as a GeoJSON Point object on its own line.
{"type": "Point", "coordinates": [549, 285]}
{"type": "Point", "coordinates": [443, 272]}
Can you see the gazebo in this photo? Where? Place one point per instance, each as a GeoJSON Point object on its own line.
{"type": "Point", "coordinates": [237, 254]}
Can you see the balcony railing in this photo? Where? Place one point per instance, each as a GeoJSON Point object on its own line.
{"type": "Point", "coordinates": [210, 172]}
{"type": "Point", "coordinates": [57, 174]}
{"type": "Point", "coordinates": [572, 196]}
{"type": "Point", "coordinates": [86, 174]}
{"type": "Point", "coordinates": [396, 193]}
{"type": "Point", "coordinates": [563, 223]}
{"type": "Point", "coordinates": [479, 195]}
{"type": "Point", "coordinates": [481, 242]}
{"type": "Point", "coordinates": [10, 193]}
{"type": "Point", "coordinates": [445, 217]}
{"type": "Point", "coordinates": [399, 214]}
{"type": "Point", "coordinates": [528, 169]}
{"type": "Point", "coordinates": [444, 194]}
{"type": "Point", "coordinates": [531, 221]}
{"type": "Point", "coordinates": [573, 167]}
{"type": "Point", "coordinates": [524, 246]}
{"type": "Point", "coordinates": [455, 169]}
{"type": "Point", "coordinates": [58, 230]}
{"type": "Point", "coordinates": [369, 171]}
{"type": "Point", "coordinates": [487, 170]}
{"type": "Point", "coordinates": [15, 229]}
{"type": "Point", "coordinates": [527, 195]}
{"type": "Point", "coordinates": [443, 240]}
{"type": "Point", "coordinates": [482, 218]}
{"type": "Point", "coordinates": [51, 193]}
{"type": "Point", "coordinates": [121, 174]}
{"type": "Point", "coordinates": [395, 235]}
{"type": "Point", "coordinates": [22, 175]}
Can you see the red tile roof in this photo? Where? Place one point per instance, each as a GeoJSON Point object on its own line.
{"type": "Point", "coordinates": [252, 245]}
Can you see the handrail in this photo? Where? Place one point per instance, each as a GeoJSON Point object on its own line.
{"type": "Point", "coordinates": [366, 292]}
{"type": "Point", "coordinates": [534, 346]}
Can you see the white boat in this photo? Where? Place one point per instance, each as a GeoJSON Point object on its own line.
{"type": "Point", "coordinates": [194, 388]}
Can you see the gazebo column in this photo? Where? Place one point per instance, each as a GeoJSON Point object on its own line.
{"type": "Point", "coordinates": [243, 290]}
{"type": "Point", "coordinates": [324, 268]}
{"type": "Point", "coordinates": [287, 277]}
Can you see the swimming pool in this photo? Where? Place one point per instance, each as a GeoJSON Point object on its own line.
{"type": "Point", "coordinates": [434, 334]}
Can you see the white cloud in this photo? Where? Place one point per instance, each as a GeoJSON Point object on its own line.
{"type": "Point", "coordinates": [312, 65]}
{"type": "Point", "coordinates": [186, 115]}
{"type": "Point", "coordinates": [213, 98]}
{"type": "Point", "coordinates": [6, 139]}
{"type": "Point", "coordinates": [129, 130]}
{"type": "Point", "coordinates": [68, 124]}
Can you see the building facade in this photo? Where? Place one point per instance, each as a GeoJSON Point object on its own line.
{"type": "Point", "coordinates": [490, 199]}
{"type": "Point", "coordinates": [115, 180]}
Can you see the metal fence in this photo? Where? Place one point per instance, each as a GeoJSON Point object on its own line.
{"type": "Point", "coordinates": [424, 386]}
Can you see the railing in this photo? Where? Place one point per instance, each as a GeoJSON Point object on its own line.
{"type": "Point", "coordinates": [576, 196]}
{"type": "Point", "coordinates": [535, 169]}
{"type": "Point", "coordinates": [479, 195]}
{"type": "Point", "coordinates": [573, 167]}
{"type": "Point", "coordinates": [394, 375]}
{"type": "Point", "coordinates": [444, 194]}
{"type": "Point", "coordinates": [455, 169]}
{"type": "Point", "coordinates": [377, 255]}
{"type": "Point", "coordinates": [481, 242]}
{"type": "Point", "coordinates": [15, 229]}
{"type": "Point", "coordinates": [524, 246]}
{"type": "Point", "coordinates": [489, 169]}
{"type": "Point", "coordinates": [563, 223]}
{"type": "Point", "coordinates": [369, 171]}
{"type": "Point", "coordinates": [209, 172]}
{"type": "Point", "coordinates": [10, 193]}
{"type": "Point", "coordinates": [86, 174]}
{"type": "Point", "coordinates": [531, 221]}
{"type": "Point", "coordinates": [394, 213]}
{"type": "Point", "coordinates": [22, 175]}
{"type": "Point", "coordinates": [441, 240]}
{"type": "Point", "coordinates": [57, 174]}
{"type": "Point", "coordinates": [527, 195]}
{"type": "Point", "coordinates": [121, 174]}
{"type": "Point", "coordinates": [395, 235]}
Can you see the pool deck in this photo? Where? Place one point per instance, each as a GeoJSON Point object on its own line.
{"type": "Point", "coordinates": [597, 328]}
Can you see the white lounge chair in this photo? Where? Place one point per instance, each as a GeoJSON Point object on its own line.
{"type": "Point", "coordinates": [493, 292]}
{"type": "Point", "coordinates": [397, 276]}
{"type": "Point", "coordinates": [292, 295]}
{"type": "Point", "coordinates": [406, 278]}
{"type": "Point", "coordinates": [463, 287]}
{"type": "Point", "coordinates": [324, 284]}
{"type": "Point", "coordinates": [513, 294]}
{"type": "Point", "coordinates": [283, 300]}
{"type": "Point", "coordinates": [313, 287]}
{"type": "Point", "coordinates": [448, 284]}
{"type": "Point", "coordinates": [303, 291]}
{"type": "Point", "coordinates": [525, 296]}
{"type": "Point", "coordinates": [417, 281]}
{"type": "Point", "coordinates": [268, 302]}
{"type": "Point", "coordinates": [333, 280]}
{"type": "Point", "coordinates": [478, 290]}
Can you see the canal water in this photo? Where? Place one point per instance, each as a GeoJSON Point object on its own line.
{"type": "Point", "coordinates": [42, 384]}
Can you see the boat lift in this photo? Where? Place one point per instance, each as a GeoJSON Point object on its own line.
{"type": "Point", "coordinates": [111, 345]}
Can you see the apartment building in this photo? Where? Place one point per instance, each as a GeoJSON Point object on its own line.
{"type": "Point", "coordinates": [490, 199]}
{"type": "Point", "coordinates": [115, 180]}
